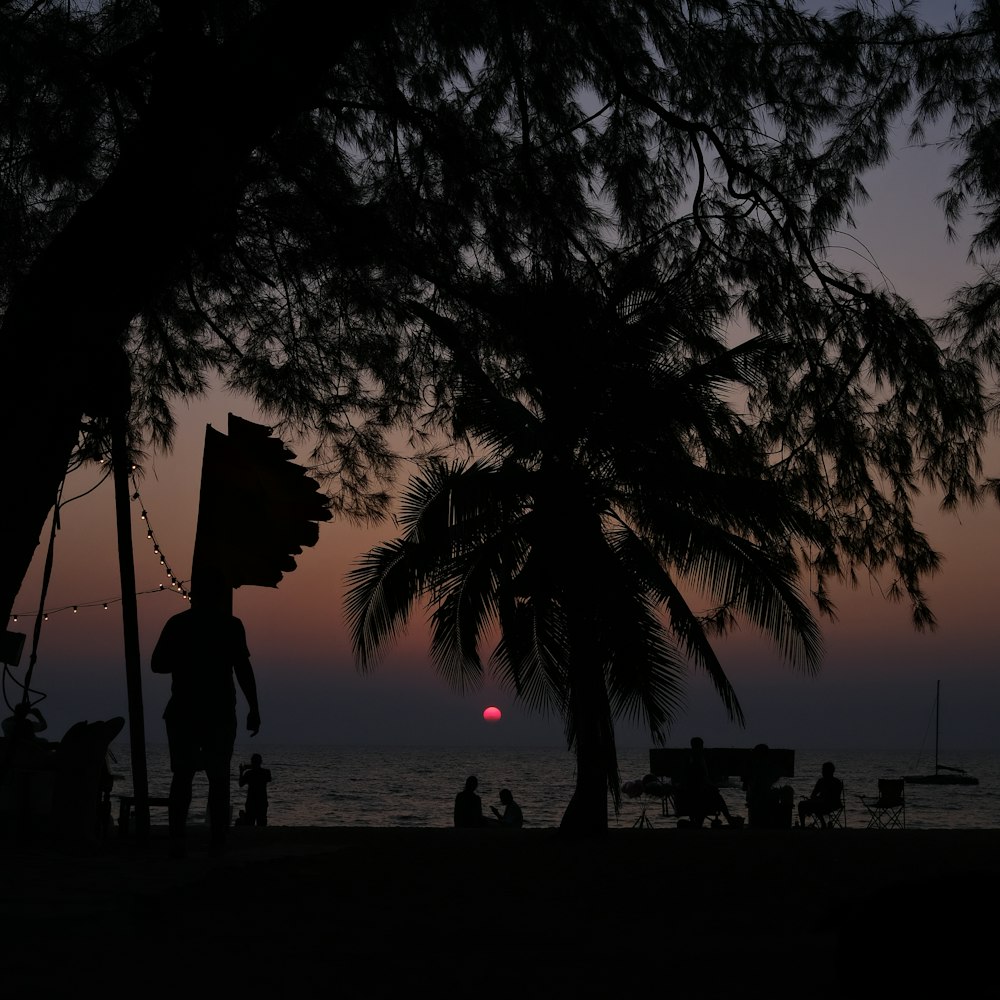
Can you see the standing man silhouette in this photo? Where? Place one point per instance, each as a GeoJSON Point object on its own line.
{"type": "Point", "coordinates": [256, 777]}
{"type": "Point", "coordinates": [203, 649]}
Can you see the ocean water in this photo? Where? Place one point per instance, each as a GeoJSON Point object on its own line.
{"type": "Point", "coordinates": [416, 786]}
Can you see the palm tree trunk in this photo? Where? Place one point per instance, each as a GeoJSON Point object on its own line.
{"type": "Point", "coordinates": [587, 812]}
{"type": "Point", "coordinates": [591, 730]}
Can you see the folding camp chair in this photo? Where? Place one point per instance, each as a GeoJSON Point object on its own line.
{"type": "Point", "coordinates": [888, 810]}
{"type": "Point", "coordinates": [835, 819]}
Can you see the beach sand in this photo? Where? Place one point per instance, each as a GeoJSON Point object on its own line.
{"type": "Point", "coordinates": [386, 912]}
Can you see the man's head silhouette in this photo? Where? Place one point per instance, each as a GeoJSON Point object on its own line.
{"type": "Point", "coordinates": [211, 592]}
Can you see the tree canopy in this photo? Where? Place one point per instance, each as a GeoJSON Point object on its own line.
{"type": "Point", "coordinates": [325, 208]}
{"type": "Point", "coordinates": [620, 488]}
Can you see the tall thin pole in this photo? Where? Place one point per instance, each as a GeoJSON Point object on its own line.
{"type": "Point", "coordinates": [937, 724]}
{"type": "Point", "coordinates": [130, 627]}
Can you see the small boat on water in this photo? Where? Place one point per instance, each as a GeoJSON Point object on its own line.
{"type": "Point", "coordinates": [943, 774]}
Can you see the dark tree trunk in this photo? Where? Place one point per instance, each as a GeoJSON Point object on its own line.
{"type": "Point", "coordinates": [173, 191]}
{"type": "Point", "coordinates": [587, 812]}
{"type": "Point", "coordinates": [593, 727]}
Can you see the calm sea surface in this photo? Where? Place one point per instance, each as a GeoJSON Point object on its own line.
{"type": "Point", "coordinates": [416, 786]}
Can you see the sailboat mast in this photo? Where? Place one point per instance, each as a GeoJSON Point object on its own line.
{"type": "Point", "coordinates": [937, 724]}
{"type": "Point", "coordinates": [952, 775]}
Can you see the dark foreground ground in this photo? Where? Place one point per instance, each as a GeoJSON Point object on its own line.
{"type": "Point", "coordinates": [366, 913]}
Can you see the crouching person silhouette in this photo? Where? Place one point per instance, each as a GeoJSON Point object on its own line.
{"type": "Point", "coordinates": [203, 649]}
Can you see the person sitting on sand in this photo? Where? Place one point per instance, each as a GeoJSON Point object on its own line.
{"type": "Point", "coordinates": [511, 816]}
{"type": "Point", "coordinates": [826, 797]}
{"type": "Point", "coordinates": [468, 805]}
{"type": "Point", "coordinates": [699, 797]}
{"type": "Point", "coordinates": [256, 777]}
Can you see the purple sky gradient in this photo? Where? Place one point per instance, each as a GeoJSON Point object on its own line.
{"type": "Point", "coordinates": [874, 691]}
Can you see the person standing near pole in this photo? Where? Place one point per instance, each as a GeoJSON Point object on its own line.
{"type": "Point", "coordinates": [203, 649]}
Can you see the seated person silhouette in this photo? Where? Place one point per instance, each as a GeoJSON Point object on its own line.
{"type": "Point", "coordinates": [468, 805]}
{"type": "Point", "coordinates": [826, 797]}
{"type": "Point", "coordinates": [511, 817]}
{"type": "Point", "coordinates": [697, 796]}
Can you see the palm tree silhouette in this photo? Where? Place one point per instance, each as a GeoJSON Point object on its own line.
{"type": "Point", "coordinates": [615, 476]}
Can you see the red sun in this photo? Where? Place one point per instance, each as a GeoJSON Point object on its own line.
{"type": "Point", "coordinates": [492, 714]}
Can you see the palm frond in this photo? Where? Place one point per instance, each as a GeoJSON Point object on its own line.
{"type": "Point", "coordinates": [645, 672]}
{"type": "Point", "coordinates": [465, 610]}
{"type": "Point", "coordinates": [683, 622]}
{"type": "Point", "coordinates": [530, 656]}
{"type": "Point", "coordinates": [381, 591]}
{"type": "Point", "coordinates": [756, 582]}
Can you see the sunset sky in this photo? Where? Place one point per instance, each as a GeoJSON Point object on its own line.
{"type": "Point", "coordinates": [874, 691]}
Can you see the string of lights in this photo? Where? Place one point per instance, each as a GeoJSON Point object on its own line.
{"type": "Point", "coordinates": [176, 584]}
{"type": "Point", "coordinates": [75, 608]}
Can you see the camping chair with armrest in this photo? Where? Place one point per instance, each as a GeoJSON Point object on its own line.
{"type": "Point", "coordinates": [888, 809]}
{"type": "Point", "coordinates": [835, 817]}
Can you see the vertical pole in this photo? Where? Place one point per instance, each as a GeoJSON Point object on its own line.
{"type": "Point", "coordinates": [130, 627]}
{"type": "Point", "coordinates": [937, 724]}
